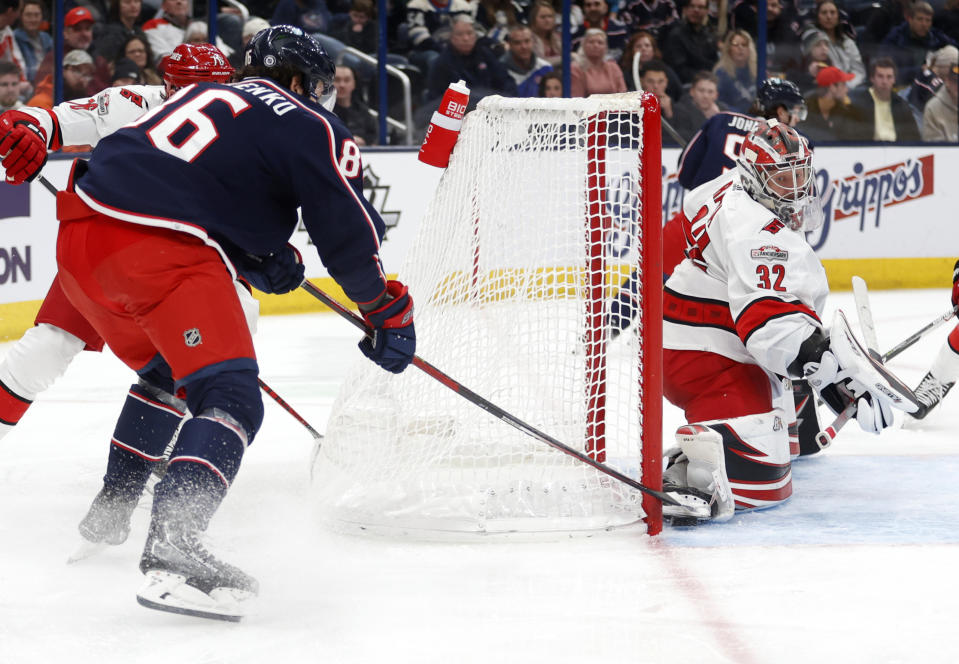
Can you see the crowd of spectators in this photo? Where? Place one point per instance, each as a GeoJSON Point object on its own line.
{"type": "Point", "coordinates": [871, 70]}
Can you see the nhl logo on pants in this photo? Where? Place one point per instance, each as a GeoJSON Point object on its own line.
{"type": "Point", "coordinates": [192, 337]}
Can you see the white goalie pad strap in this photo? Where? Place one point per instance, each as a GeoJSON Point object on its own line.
{"type": "Point", "coordinates": [865, 373]}
{"type": "Point", "coordinates": [706, 469]}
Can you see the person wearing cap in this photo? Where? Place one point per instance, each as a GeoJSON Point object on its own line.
{"type": "Point", "coordinates": [77, 36]}
{"type": "Point", "coordinates": [940, 120]}
{"type": "Point", "coordinates": [830, 113]}
{"type": "Point", "coordinates": [126, 72]}
{"type": "Point", "coordinates": [881, 114]}
{"type": "Point", "coordinates": [815, 57]}
{"type": "Point", "coordinates": [77, 75]}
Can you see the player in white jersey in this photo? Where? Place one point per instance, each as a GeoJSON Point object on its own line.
{"type": "Point", "coordinates": [742, 310]}
{"type": "Point", "coordinates": [149, 417]}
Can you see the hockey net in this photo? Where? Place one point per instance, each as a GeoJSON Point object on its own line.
{"type": "Point", "coordinates": [546, 208]}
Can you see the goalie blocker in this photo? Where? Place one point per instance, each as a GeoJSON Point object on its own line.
{"type": "Point", "coordinates": [841, 370]}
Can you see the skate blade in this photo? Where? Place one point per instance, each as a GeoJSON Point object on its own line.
{"type": "Point", "coordinates": [86, 549]}
{"type": "Point", "coordinates": [692, 510]}
{"type": "Point", "coordinates": [166, 591]}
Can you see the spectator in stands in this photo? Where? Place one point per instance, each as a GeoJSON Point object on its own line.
{"type": "Point", "coordinates": [77, 36]}
{"type": "Point", "coordinates": [126, 72]}
{"type": "Point", "coordinates": [359, 29]}
{"type": "Point", "coordinates": [644, 45]}
{"type": "Point", "coordinates": [843, 52]}
{"type": "Point", "coordinates": [77, 77]}
{"type": "Point", "coordinates": [884, 16]}
{"type": "Point", "coordinates": [782, 32]}
{"type": "Point", "coordinates": [830, 114]}
{"type": "Point", "coordinates": [946, 19]}
{"type": "Point", "coordinates": [352, 111]}
{"type": "Point", "coordinates": [252, 26]}
{"type": "Point", "coordinates": [310, 15]}
{"type": "Point", "coordinates": [596, 15]}
{"type": "Point", "coordinates": [430, 24]}
{"type": "Point", "coordinates": [591, 73]}
{"type": "Point", "coordinates": [700, 104]}
{"type": "Point", "coordinates": [9, 49]}
{"type": "Point", "coordinates": [815, 49]}
{"type": "Point", "coordinates": [736, 71]}
{"type": "Point", "coordinates": [881, 114]}
{"type": "Point", "coordinates": [927, 84]}
{"type": "Point", "coordinates": [9, 86]}
{"type": "Point", "coordinates": [551, 85]}
{"type": "Point", "coordinates": [124, 21]}
{"type": "Point", "coordinates": [940, 121]}
{"type": "Point", "coordinates": [522, 64]}
{"type": "Point", "coordinates": [464, 58]}
{"type": "Point", "coordinates": [909, 42]}
{"type": "Point", "coordinates": [654, 80]}
{"type": "Point", "coordinates": [34, 43]}
{"type": "Point", "coordinates": [691, 45]}
{"type": "Point", "coordinates": [137, 48]}
{"type": "Point", "coordinates": [546, 40]}
{"type": "Point", "coordinates": [496, 18]}
{"type": "Point", "coordinates": [168, 29]}
{"type": "Point", "coordinates": [653, 16]}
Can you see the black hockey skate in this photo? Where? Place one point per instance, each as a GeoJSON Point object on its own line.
{"type": "Point", "coordinates": [929, 393]}
{"type": "Point", "coordinates": [184, 577]}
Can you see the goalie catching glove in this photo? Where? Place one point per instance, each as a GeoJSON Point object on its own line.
{"type": "Point", "coordinates": [841, 371]}
{"type": "Point", "coordinates": [393, 341]}
{"type": "Point", "coordinates": [23, 146]}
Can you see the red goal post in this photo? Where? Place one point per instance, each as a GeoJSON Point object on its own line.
{"type": "Point", "coordinates": [547, 206]}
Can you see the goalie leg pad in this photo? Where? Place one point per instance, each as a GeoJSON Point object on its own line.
{"type": "Point", "coordinates": [697, 478]}
{"type": "Point", "coordinates": [808, 424]}
{"type": "Point", "coordinates": [756, 458]}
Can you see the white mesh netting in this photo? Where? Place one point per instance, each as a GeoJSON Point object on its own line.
{"type": "Point", "coordinates": [531, 231]}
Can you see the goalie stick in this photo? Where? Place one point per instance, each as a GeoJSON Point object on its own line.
{"type": "Point", "coordinates": [488, 406]}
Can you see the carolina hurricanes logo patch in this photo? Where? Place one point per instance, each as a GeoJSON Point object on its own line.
{"type": "Point", "coordinates": [192, 337]}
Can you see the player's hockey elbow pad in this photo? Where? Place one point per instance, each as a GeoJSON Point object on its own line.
{"type": "Point", "coordinates": [23, 146]}
{"type": "Point", "coordinates": [393, 342]}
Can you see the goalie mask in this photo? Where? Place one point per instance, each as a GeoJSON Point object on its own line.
{"type": "Point", "coordinates": [195, 63]}
{"type": "Point", "coordinates": [288, 45]}
{"type": "Point", "coordinates": [775, 165]}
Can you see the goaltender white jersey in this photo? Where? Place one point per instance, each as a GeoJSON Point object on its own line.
{"type": "Point", "coordinates": [750, 288]}
{"type": "Point", "coordinates": [86, 121]}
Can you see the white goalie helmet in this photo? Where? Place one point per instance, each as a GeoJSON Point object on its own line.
{"type": "Point", "coordinates": [775, 165]}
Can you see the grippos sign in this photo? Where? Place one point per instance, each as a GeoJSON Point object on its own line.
{"type": "Point", "coordinates": [879, 202]}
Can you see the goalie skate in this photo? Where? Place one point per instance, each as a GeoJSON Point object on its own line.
{"type": "Point", "coordinates": [174, 593]}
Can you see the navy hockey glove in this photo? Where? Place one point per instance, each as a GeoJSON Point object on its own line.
{"type": "Point", "coordinates": [955, 286]}
{"type": "Point", "coordinates": [394, 338]}
{"type": "Point", "coordinates": [278, 273]}
{"type": "Point", "coordinates": [23, 146]}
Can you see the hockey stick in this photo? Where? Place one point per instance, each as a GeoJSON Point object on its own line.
{"type": "Point", "coordinates": [942, 318]}
{"type": "Point", "coordinates": [861, 294]}
{"type": "Point", "coordinates": [488, 406]}
{"type": "Point", "coordinates": [266, 388]}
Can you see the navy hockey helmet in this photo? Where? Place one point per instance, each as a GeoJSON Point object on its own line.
{"type": "Point", "coordinates": [775, 92]}
{"type": "Point", "coordinates": [288, 45]}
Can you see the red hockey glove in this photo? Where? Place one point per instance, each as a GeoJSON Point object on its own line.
{"type": "Point", "coordinates": [955, 286]}
{"type": "Point", "coordinates": [23, 146]}
{"type": "Point", "coordinates": [394, 338]}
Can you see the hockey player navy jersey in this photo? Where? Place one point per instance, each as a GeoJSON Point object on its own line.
{"type": "Point", "coordinates": [714, 148]}
{"type": "Point", "coordinates": [188, 165]}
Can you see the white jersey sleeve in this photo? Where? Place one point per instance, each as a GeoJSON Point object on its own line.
{"type": "Point", "coordinates": [751, 290]}
{"type": "Point", "coordinates": [86, 121]}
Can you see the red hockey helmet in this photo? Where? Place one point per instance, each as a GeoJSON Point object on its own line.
{"type": "Point", "coordinates": [775, 164]}
{"type": "Point", "coordinates": [195, 63]}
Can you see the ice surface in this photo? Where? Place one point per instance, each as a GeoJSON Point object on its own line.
{"type": "Point", "coordinates": [859, 566]}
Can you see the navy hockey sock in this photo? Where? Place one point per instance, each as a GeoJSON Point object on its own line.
{"type": "Point", "coordinates": [143, 430]}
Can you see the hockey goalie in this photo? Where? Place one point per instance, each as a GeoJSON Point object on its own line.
{"type": "Point", "coordinates": [744, 310]}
